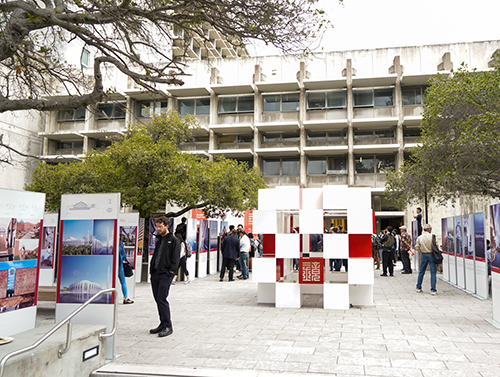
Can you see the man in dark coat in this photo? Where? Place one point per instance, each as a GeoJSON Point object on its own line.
{"type": "Point", "coordinates": [164, 265]}
{"type": "Point", "coordinates": [230, 251]}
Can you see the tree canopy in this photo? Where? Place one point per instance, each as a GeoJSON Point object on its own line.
{"type": "Point", "coordinates": [460, 148]}
{"type": "Point", "coordinates": [132, 35]}
{"type": "Point", "coordinates": [148, 168]}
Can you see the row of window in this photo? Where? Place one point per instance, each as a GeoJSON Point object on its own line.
{"type": "Point", "coordinates": [328, 165]}
{"type": "Point", "coordinates": [245, 104]}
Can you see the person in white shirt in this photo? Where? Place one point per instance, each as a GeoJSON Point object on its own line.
{"type": "Point", "coordinates": [244, 253]}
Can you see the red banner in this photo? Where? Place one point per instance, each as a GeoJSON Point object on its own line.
{"type": "Point", "coordinates": [311, 271]}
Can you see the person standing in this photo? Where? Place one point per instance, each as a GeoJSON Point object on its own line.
{"type": "Point", "coordinates": [244, 252]}
{"type": "Point", "coordinates": [424, 246]}
{"type": "Point", "coordinates": [230, 250]}
{"type": "Point", "coordinates": [164, 265]}
{"type": "Point", "coordinates": [183, 259]}
{"type": "Point", "coordinates": [182, 228]}
{"type": "Point", "coordinates": [387, 253]}
{"type": "Point", "coordinates": [418, 217]}
{"type": "Point", "coordinates": [121, 274]}
{"type": "Point", "coordinates": [404, 250]}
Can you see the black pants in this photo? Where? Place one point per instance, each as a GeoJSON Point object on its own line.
{"type": "Point", "coordinates": [405, 258]}
{"type": "Point", "coordinates": [160, 284]}
{"type": "Point", "coordinates": [387, 262]}
{"type": "Point", "coordinates": [229, 264]}
{"type": "Point", "coordinates": [182, 264]}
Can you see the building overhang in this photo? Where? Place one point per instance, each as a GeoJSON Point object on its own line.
{"type": "Point", "coordinates": [202, 130]}
{"type": "Point", "coordinates": [233, 89]}
{"type": "Point", "coordinates": [62, 135]}
{"type": "Point", "coordinates": [142, 95]}
{"type": "Point", "coordinates": [388, 80]}
{"type": "Point", "coordinates": [412, 121]}
{"type": "Point", "coordinates": [182, 91]}
{"type": "Point", "coordinates": [232, 153]}
{"type": "Point", "coordinates": [374, 122]}
{"type": "Point", "coordinates": [408, 146]}
{"type": "Point", "coordinates": [198, 153]}
{"type": "Point", "coordinates": [327, 150]}
{"type": "Point", "coordinates": [230, 129]}
{"type": "Point", "coordinates": [102, 134]}
{"type": "Point", "coordinates": [326, 84]}
{"type": "Point", "coordinates": [385, 214]}
{"type": "Point", "coordinates": [321, 125]}
{"type": "Point", "coordinates": [278, 86]}
{"type": "Point", "coordinates": [376, 148]}
{"type": "Point", "coordinates": [278, 126]}
{"type": "Point", "coordinates": [278, 152]}
{"type": "Point", "coordinates": [62, 158]}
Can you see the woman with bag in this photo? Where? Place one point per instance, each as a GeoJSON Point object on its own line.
{"type": "Point", "coordinates": [121, 274]}
{"type": "Point", "coordinates": [182, 261]}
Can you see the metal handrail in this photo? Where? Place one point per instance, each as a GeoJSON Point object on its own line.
{"type": "Point", "coordinates": [67, 346]}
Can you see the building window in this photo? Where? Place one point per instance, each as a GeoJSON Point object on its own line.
{"type": "Point", "coordinates": [281, 166]}
{"type": "Point", "coordinates": [235, 139]}
{"type": "Point", "coordinates": [413, 95]}
{"type": "Point", "coordinates": [102, 143]}
{"type": "Point", "coordinates": [71, 115]}
{"type": "Point", "coordinates": [374, 164]}
{"type": "Point", "coordinates": [145, 109]}
{"type": "Point", "coordinates": [85, 58]}
{"type": "Point", "coordinates": [412, 132]}
{"type": "Point", "coordinates": [234, 105]}
{"type": "Point", "coordinates": [327, 165]}
{"type": "Point", "coordinates": [326, 100]}
{"type": "Point", "coordinates": [111, 111]}
{"type": "Point", "coordinates": [374, 135]}
{"type": "Point", "coordinates": [373, 97]}
{"type": "Point", "coordinates": [280, 137]}
{"type": "Point", "coordinates": [331, 136]}
{"type": "Point", "coordinates": [194, 106]}
{"type": "Point", "coordinates": [281, 102]}
{"type": "Point", "coordinates": [70, 145]}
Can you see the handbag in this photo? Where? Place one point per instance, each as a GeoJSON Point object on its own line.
{"type": "Point", "coordinates": [188, 248]}
{"type": "Point", "coordinates": [438, 255]}
{"type": "Point", "coordinates": [127, 268]}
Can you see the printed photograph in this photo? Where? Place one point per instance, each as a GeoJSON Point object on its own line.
{"type": "Point", "coordinates": [191, 231]}
{"type": "Point", "coordinates": [204, 236]}
{"type": "Point", "coordinates": [443, 234]}
{"type": "Point", "coordinates": [128, 237]}
{"type": "Point", "coordinates": [17, 284]}
{"type": "Point", "coordinates": [495, 235]}
{"type": "Point", "coordinates": [140, 237]}
{"type": "Point", "coordinates": [103, 237]}
{"type": "Point", "coordinates": [479, 236]}
{"type": "Point", "coordinates": [28, 229]}
{"type": "Point", "coordinates": [468, 235]}
{"type": "Point", "coordinates": [458, 235]}
{"type": "Point", "coordinates": [48, 246]}
{"type": "Point", "coordinates": [77, 237]}
{"type": "Point", "coordinates": [449, 240]}
{"type": "Point", "coordinates": [7, 238]}
{"type": "Point", "coordinates": [26, 249]}
{"type": "Point", "coordinates": [213, 235]}
{"type": "Point", "coordinates": [82, 276]}
{"type": "Point", "coordinates": [152, 236]}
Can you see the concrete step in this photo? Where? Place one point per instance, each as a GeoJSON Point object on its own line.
{"type": "Point", "coordinates": [44, 360]}
{"type": "Point", "coordinates": [115, 369]}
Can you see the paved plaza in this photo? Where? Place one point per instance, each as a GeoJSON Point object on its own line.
{"type": "Point", "coordinates": [220, 330]}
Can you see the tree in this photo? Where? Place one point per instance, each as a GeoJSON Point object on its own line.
{"type": "Point", "coordinates": [460, 149]}
{"type": "Point", "coordinates": [132, 36]}
{"type": "Point", "coordinates": [147, 167]}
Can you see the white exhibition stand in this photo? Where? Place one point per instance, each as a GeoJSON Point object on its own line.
{"type": "Point", "coordinates": [482, 289]}
{"type": "Point", "coordinates": [470, 278]}
{"type": "Point", "coordinates": [460, 271]}
{"type": "Point", "coordinates": [20, 261]}
{"type": "Point", "coordinates": [453, 268]}
{"type": "Point", "coordinates": [213, 229]}
{"type": "Point", "coordinates": [203, 249]}
{"type": "Point", "coordinates": [279, 284]}
{"type": "Point", "coordinates": [446, 267]}
{"type": "Point", "coordinates": [191, 228]}
{"type": "Point", "coordinates": [97, 269]}
{"type": "Point", "coordinates": [48, 246]}
{"type": "Point", "coordinates": [495, 293]}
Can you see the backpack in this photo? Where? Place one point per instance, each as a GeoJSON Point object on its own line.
{"type": "Point", "coordinates": [389, 242]}
{"type": "Point", "coordinates": [189, 249]}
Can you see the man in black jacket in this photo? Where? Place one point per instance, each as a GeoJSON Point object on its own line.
{"type": "Point", "coordinates": [230, 251]}
{"type": "Point", "coordinates": [164, 266]}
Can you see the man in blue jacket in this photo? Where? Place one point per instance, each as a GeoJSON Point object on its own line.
{"type": "Point", "coordinates": [164, 265]}
{"type": "Point", "coordinates": [230, 251]}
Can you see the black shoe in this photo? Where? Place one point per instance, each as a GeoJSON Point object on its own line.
{"type": "Point", "coordinates": [383, 274]}
{"type": "Point", "coordinates": [231, 280]}
{"type": "Point", "coordinates": [165, 332]}
{"type": "Point", "coordinates": [391, 275]}
{"type": "Point", "coordinates": [220, 280]}
{"type": "Point", "coordinates": [156, 330]}
{"type": "Point", "coordinates": [406, 272]}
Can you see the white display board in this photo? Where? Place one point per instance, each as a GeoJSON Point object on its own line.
{"type": "Point", "coordinates": [460, 271]}
{"type": "Point", "coordinates": [446, 267]}
{"type": "Point", "coordinates": [495, 296]}
{"type": "Point", "coordinates": [88, 259]}
{"type": "Point", "coordinates": [453, 268]}
{"type": "Point", "coordinates": [470, 276]}
{"type": "Point", "coordinates": [482, 284]}
{"type": "Point", "coordinates": [191, 229]}
{"type": "Point", "coordinates": [48, 250]}
{"type": "Point", "coordinates": [128, 230]}
{"type": "Point", "coordinates": [21, 215]}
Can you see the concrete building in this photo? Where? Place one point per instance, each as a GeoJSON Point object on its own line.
{"type": "Point", "coordinates": [336, 118]}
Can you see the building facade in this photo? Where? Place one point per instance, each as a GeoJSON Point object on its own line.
{"type": "Point", "coordinates": [336, 118]}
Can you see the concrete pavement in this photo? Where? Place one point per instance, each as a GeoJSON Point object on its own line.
{"type": "Point", "coordinates": [220, 330]}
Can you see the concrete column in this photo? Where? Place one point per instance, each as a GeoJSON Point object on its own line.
{"type": "Point", "coordinates": [302, 117]}
{"type": "Point", "coordinates": [398, 106]}
{"type": "Point", "coordinates": [350, 130]}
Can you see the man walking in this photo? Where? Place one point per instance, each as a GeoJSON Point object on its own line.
{"type": "Point", "coordinates": [230, 250]}
{"type": "Point", "coordinates": [387, 240]}
{"type": "Point", "coordinates": [164, 266]}
{"type": "Point", "coordinates": [424, 246]}
{"type": "Point", "coordinates": [404, 250]}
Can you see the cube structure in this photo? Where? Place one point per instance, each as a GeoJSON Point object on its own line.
{"type": "Point", "coordinates": [289, 268]}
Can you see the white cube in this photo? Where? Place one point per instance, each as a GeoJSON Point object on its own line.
{"type": "Point", "coordinates": [288, 245]}
{"type": "Point", "coordinates": [288, 295]}
{"type": "Point", "coordinates": [264, 270]}
{"type": "Point", "coordinates": [336, 296]}
{"type": "Point", "coordinates": [311, 221]}
{"type": "Point", "coordinates": [335, 245]}
{"type": "Point", "coordinates": [360, 271]}
{"type": "Point", "coordinates": [265, 222]}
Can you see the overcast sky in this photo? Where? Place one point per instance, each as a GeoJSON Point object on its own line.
{"type": "Point", "coordinates": [361, 24]}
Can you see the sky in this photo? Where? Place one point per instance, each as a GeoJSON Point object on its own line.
{"type": "Point", "coordinates": [366, 24]}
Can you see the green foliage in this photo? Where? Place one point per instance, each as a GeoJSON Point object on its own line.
{"type": "Point", "coordinates": [460, 150]}
{"type": "Point", "coordinates": [147, 167]}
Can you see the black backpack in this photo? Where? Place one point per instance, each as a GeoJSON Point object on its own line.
{"type": "Point", "coordinates": [389, 242]}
